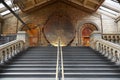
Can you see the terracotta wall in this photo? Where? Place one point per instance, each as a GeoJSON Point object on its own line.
{"type": "Point", "coordinates": [40, 17]}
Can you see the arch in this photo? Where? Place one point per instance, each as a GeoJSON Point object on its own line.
{"type": "Point", "coordinates": [33, 33]}
{"type": "Point", "coordinates": [84, 32]}
{"type": "Point", "coordinates": [84, 22]}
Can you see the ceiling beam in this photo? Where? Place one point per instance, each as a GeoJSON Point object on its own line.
{"type": "Point", "coordinates": [111, 8]}
{"type": "Point", "coordinates": [3, 2]}
{"type": "Point", "coordinates": [106, 13]}
{"type": "Point", "coordinates": [36, 5]}
{"type": "Point", "coordinates": [78, 6]}
{"type": "Point", "coordinates": [4, 8]}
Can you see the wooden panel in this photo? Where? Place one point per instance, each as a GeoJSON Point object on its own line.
{"type": "Point", "coordinates": [29, 3]}
{"type": "Point", "coordinates": [39, 1]}
{"type": "Point", "coordinates": [90, 5]}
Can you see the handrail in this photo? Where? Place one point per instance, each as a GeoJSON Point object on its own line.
{"type": "Point", "coordinates": [114, 37]}
{"type": "Point", "coordinates": [108, 49]}
{"type": "Point", "coordinates": [10, 49]}
{"type": "Point", "coordinates": [62, 64]}
{"type": "Point", "coordinates": [59, 65]}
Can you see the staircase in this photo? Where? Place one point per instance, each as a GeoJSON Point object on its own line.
{"type": "Point", "coordinates": [80, 63]}
{"type": "Point", "coordinates": [34, 64]}
{"type": "Point", "coordinates": [83, 63]}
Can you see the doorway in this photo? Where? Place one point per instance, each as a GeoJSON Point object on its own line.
{"type": "Point", "coordinates": [86, 30]}
{"type": "Point", "coordinates": [33, 33]}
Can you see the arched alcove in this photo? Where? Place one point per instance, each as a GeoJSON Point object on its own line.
{"type": "Point", "coordinates": [33, 32]}
{"type": "Point", "coordinates": [85, 31]}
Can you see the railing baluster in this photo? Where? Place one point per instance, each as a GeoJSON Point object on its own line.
{"type": "Point", "coordinates": [9, 50]}
{"type": "Point", "coordinates": [110, 50]}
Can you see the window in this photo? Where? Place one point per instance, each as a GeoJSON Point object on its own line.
{"type": "Point", "coordinates": [110, 8]}
{"type": "Point", "coordinates": [4, 11]}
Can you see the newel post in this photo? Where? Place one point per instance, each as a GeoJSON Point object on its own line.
{"type": "Point", "coordinates": [95, 35]}
{"type": "Point", "coordinates": [22, 35]}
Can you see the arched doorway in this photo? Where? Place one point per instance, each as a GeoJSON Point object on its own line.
{"type": "Point", "coordinates": [33, 33]}
{"type": "Point", "coordinates": [86, 30]}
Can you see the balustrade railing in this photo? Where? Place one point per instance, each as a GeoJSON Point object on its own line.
{"type": "Point", "coordinates": [7, 38]}
{"type": "Point", "coordinates": [115, 38]}
{"type": "Point", "coordinates": [106, 48]}
{"type": "Point", "coordinates": [59, 65]}
{"type": "Point", "coordinates": [10, 49]}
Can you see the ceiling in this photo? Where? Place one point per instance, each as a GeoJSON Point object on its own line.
{"type": "Point", "coordinates": [110, 8]}
{"type": "Point", "coordinates": [87, 5]}
{"type": "Point", "coordinates": [107, 7]}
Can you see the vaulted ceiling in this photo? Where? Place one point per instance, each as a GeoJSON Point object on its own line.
{"type": "Point", "coordinates": [109, 8]}
{"type": "Point", "coordinates": [87, 5]}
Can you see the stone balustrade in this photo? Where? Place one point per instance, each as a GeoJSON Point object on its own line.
{"type": "Point", "coordinates": [106, 48]}
{"type": "Point", "coordinates": [10, 49]}
{"type": "Point", "coordinates": [115, 38]}
{"type": "Point", "coordinates": [7, 38]}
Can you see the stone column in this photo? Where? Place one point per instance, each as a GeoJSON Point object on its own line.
{"type": "Point", "coordinates": [119, 26]}
{"type": "Point", "coordinates": [96, 34]}
{"type": "Point", "coordinates": [22, 35]}
{"type": "Point", "coordinates": [93, 36]}
{"type": "Point", "coordinates": [118, 23]}
{"type": "Point", "coordinates": [1, 21]}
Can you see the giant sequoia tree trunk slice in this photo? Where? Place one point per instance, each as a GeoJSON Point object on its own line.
{"type": "Point", "coordinates": [59, 27]}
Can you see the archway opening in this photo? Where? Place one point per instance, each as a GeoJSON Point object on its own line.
{"type": "Point", "coordinates": [86, 30]}
{"type": "Point", "coordinates": [33, 33]}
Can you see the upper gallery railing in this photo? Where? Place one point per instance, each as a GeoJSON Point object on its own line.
{"type": "Point", "coordinates": [10, 49]}
{"type": "Point", "coordinates": [115, 38]}
{"type": "Point", "coordinates": [7, 38]}
{"type": "Point", "coordinates": [59, 65]}
{"type": "Point", "coordinates": [106, 48]}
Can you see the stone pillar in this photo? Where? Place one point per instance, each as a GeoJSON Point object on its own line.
{"type": "Point", "coordinates": [93, 36]}
{"type": "Point", "coordinates": [118, 25]}
{"type": "Point", "coordinates": [96, 34]}
{"type": "Point", "coordinates": [1, 20]}
{"type": "Point", "coordinates": [22, 35]}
